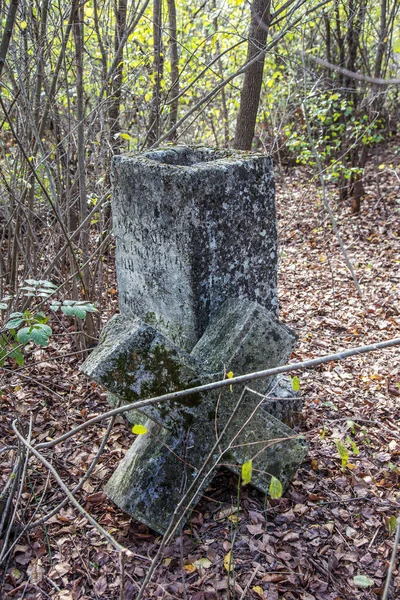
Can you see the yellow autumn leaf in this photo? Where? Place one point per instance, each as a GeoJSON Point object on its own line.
{"type": "Point", "coordinates": [23, 24]}
{"type": "Point", "coordinates": [296, 383]}
{"type": "Point", "coordinates": [275, 488]}
{"type": "Point", "coordinates": [258, 590]}
{"type": "Point", "coordinates": [234, 518]}
{"type": "Point", "coordinates": [189, 568]}
{"type": "Point", "coordinates": [228, 562]}
{"type": "Point", "coordinates": [139, 429]}
{"type": "Point", "coordinates": [247, 472]}
{"type": "Point", "coordinates": [229, 376]}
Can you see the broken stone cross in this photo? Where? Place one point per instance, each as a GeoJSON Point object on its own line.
{"type": "Point", "coordinates": [196, 267]}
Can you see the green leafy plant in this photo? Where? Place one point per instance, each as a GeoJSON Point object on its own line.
{"type": "Point", "coordinates": [392, 524]}
{"type": "Point", "coordinates": [335, 124]}
{"type": "Point", "coordinates": [343, 452]}
{"type": "Point", "coordinates": [21, 328]}
{"type": "Point", "coordinates": [343, 449]}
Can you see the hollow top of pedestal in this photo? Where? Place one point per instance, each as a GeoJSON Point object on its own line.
{"type": "Point", "coordinates": [192, 157]}
{"type": "Point", "coordinates": [194, 226]}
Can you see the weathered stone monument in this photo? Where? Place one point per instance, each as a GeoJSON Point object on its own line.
{"type": "Point", "coordinates": [197, 276]}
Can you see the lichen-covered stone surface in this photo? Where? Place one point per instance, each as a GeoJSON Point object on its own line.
{"type": "Point", "coordinates": [282, 401]}
{"type": "Point", "coordinates": [197, 273]}
{"type": "Point", "coordinates": [160, 466]}
{"type": "Point", "coordinates": [244, 337]}
{"type": "Point", "coordinates": [193, 227]}
{"type": "Point", "coordinates": [155, 475]}
{"type": "Point", "coordinates": [273, 447]}
{"type": "Point", "coordinates": [134, 360]}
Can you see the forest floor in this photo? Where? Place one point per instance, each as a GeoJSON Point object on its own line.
{"type": "Point", "coordinates": [333, 531]}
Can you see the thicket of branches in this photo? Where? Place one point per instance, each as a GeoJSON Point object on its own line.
{"type": "Point", "coordinates": [82, 81]}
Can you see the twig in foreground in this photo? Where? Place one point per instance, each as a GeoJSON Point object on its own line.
{"type": "Point", "coordinates": [66, 491]}
{"type": "Point", "coordinates": [385, 594]}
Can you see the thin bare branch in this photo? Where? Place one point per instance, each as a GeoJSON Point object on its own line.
{"type": "Point", "coordinates": [241, 379]}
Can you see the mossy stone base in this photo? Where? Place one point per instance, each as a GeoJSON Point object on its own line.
{"type": "Point", "coordinates": [136, 361]}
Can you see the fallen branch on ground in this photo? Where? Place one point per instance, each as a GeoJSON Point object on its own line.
{"type": "Point", "coordinates": [314, 362]}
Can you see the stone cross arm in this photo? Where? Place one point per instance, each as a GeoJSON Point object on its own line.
{"type": "Point", "coordinates": [135, 361]}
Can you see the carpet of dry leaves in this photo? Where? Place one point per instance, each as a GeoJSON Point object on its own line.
{"type": "Point", "coordinates": [334, 523]}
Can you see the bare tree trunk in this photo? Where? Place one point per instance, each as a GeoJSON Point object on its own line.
{"type": "Point", "coordinates": [221, 73]}
{"type": "Point", "coordinates": [327, 22]}
{"type": "Point", "coordinates": [382, 40]}
{"type": "Point", "coordinates": [79, 49]}
{"type": "Point", "coordinates": [158, 62]}
{"type": "Point", "coordinates": [7, 33]}
{"type": "Point", "coordinates": [114, 112]}
{"type": "Point", "coordinates": [79, 46]}
{"type": "Point", "coordinates": [251, 90]}
{"type": "Point", "coordinates": [356, 21]}
{"type": "Point", "coordinates": [339, 39]}
{"type": "Point", "coordinates": [174, 60]}
{"type": "Point", "coordinates": [31, 246]}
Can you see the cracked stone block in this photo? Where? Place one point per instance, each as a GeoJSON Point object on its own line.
{"type": "Point", "coordinates": [153, 477]}
{"type": "Point", "coordinates": [160, 466]}
{"type": "Point", "coordinates": [274, 448]}
{"type": "Point", "coordinates": [128, 361]}
{"type": "Point", "coordinates": [244, 337]}
{"type": "Point", "coordinates": [193, 227]}
{"type": "Point", "coordinates": [196, 265]}
{"type": "Point", "coordinates": [283, 402]}
{"type": "Point", "coordinates": [134, 361]}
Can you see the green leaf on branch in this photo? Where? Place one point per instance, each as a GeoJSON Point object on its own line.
{"type": "Point", "coordinates": [14, 323]}
{"type": "Point", "coordinates": [18, 357]}
{"type": "Point", "coordinates": [77, 309]}
{"type": "Point", "coordinates": [79, 312]}
{"type": "Point", "coordinates": [40, 317]}
{"type": "Point", "coordinates": [40, 334]}
{"type": "Point", "coordinates": [24, 335]}
{"type": "Point", "coordinates": [68, 310]}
